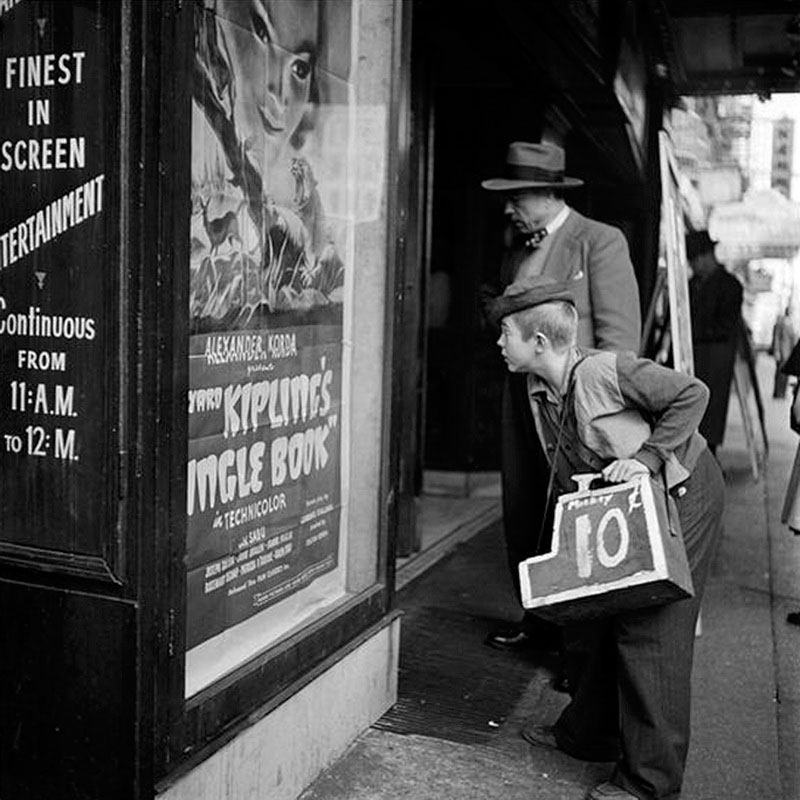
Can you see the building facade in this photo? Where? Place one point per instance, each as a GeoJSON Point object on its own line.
{"type": "Point", "coordinates": [241, 248]}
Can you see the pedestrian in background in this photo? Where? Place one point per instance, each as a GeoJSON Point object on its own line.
{"type": "Point", "coordinates": [783, 340]}
{"type": "Point", "coordinates": [715, 298]}
{"type": "Point", "coordinates": [791, 505]}
{"type": "Point", "coordinates": [547, 237]}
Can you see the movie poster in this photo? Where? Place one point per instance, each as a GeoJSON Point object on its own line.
{"type": "Point", "coordinates": [270, 233]}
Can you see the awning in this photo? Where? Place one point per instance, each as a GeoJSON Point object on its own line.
{"type": "Point", "coordinates": [763, 225]}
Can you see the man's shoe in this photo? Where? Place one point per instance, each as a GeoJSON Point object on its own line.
{"type": "Point", "coordinates": [531, 632]}
{"type": "Point", "coordinates": [544, 736]}
{"type": "Point", "coordinates": [610, 791]}
{"type": "Point", "coordinates": [510, 637]}
{"type": "Point", "coordinates": [539, 736]}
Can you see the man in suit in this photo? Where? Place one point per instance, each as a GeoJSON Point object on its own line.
{"type": "Point", "coordinates": [547, 237]}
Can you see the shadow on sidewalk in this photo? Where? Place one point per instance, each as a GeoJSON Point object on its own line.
{"type": "Point", "coordinates": [452, 685]}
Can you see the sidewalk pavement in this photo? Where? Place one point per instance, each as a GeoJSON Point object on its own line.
{"type": "Point", "coordinates": [454, 732]}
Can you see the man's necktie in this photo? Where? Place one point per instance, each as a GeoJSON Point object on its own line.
{"type": "Point", "coordinates": [536, 238]}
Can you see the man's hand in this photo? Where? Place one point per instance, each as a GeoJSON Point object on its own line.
{"type": "Point", "coordinates": [624, 469]}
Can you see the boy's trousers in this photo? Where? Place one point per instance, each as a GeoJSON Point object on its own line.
{"type": "Point", "coordinates": [631, 673]}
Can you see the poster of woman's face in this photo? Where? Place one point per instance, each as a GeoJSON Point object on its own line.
{"type": "Point", "coordinates": [272, 49]}
{"type": "Point", "coordinates": [263, 87]}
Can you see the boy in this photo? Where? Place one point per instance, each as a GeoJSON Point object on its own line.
{"type": "Point", "coordinates": [615, 413]}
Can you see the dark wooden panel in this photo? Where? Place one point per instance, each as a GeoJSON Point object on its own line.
{"type": "Point", "coordinates": [67, 695]}
{"type": "Point", "coordinates": [464, 371]}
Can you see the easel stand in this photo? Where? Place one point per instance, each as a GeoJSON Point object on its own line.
{"type": "Point", "coordinates": [741, 383]}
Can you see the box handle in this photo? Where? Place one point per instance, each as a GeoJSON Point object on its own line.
{"type": "Point", "coordinates": [585, 480]}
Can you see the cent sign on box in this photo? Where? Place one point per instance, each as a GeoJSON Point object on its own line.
{"type": "Point", "coordinates": [613, 549]}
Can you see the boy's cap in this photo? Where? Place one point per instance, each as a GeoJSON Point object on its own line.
{"type": "Point", "coordinates": [527, 293]}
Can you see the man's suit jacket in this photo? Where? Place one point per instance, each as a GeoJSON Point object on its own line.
{"type": "Point", "coordinates": [595, 258]}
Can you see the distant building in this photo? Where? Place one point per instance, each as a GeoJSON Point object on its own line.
{"type": "Point", "coordinates": [711, 137]}
{"type": "Point", "coordinates": [782, 155]}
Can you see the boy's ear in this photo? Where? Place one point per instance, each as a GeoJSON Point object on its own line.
{"type": "Point", "coordinates": [540, 339]}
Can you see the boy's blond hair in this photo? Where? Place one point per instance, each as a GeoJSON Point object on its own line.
{"type": "Point", "coordinates": [557, 320]}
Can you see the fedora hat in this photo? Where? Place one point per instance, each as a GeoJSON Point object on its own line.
{"type": "Point", "coordinates": [532, 165]}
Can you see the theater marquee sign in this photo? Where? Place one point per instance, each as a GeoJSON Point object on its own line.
{"type": "Point", "coordinates": [58, 219]}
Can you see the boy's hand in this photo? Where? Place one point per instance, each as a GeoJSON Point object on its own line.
{"type": "Point", "coordinates": [624, 469]}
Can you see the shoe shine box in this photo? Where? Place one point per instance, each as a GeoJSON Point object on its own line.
{"type": "Point", "coordinates": [615, 548]}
